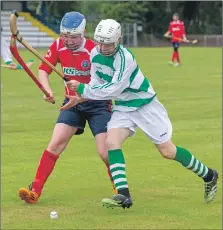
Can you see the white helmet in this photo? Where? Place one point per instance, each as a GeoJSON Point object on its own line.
{"type": "Point", "coordinates": [108, 31]}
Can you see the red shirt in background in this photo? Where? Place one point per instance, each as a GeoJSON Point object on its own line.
{"type": "Point", "coordinates": [177, 29]}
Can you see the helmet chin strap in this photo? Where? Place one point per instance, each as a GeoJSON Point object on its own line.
{"type": "Point", "coordinates": [111, 53]}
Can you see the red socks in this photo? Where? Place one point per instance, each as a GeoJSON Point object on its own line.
{"type": "Point", "coordinates": [175, 55]}
{"type": "Point", "coordinates": [45, 168]}
{"type": "Point", "coordinates": [178, 57]}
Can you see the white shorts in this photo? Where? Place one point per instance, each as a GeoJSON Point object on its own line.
{"type": "Point", "coordinates": [152, 119]}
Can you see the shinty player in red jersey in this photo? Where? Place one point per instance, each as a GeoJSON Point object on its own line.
{"type": "Point", "coordinates": [72, 50]}
{"type": "Point", "coordinates": [176, 29]}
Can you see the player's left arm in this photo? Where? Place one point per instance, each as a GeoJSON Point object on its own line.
{"type": "Point", "coordinates": [183, 32]}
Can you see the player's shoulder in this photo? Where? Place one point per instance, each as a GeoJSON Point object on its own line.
{"type": "Point", "coordinates": [181, 22]}
{"type": "Point", "coordinates": [124, 54]}
{"type": "Point", "coordinates": [89, 44]}
{"type": "Point", "coordinates": [57, 44]}
{"type": "Point", "coordinates": [94, 52]}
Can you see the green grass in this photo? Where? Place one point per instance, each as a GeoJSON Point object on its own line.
{"type": "Point", "coordinates": [165, 195]}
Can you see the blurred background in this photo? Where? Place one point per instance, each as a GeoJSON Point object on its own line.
{"type": "Point", "coordinates": [166, 196]}
{"type": "Point", "coordinates": [143, 22]}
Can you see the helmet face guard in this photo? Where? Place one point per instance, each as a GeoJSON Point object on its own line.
{"type": "Point", "coordinates": [106, 49]}
{"type": "Point", "coordinates": [107, 37]}
{"type": "Point", "coordinates": [72, 30]}
{"type": "Point", "coordinates": [72, 42]}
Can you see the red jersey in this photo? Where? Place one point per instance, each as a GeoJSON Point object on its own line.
{"type": "Point", "coordinates": [176, 29]}
{"type": "Point", "coordinates": [75, 64]}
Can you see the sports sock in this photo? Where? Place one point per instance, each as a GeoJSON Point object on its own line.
{"type": "Point", "coordinates": [173, 56]}
{"type": "Point", "coordinates": [117, 169]}
{"type": "Point", "coordinates": [190, 162]}
{"type": "Point", "coordinates": [177, 56]}
{"type": "Point", "coordinates": [46, 165]}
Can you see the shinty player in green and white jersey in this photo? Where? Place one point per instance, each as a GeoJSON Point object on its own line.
{"type": "Point", "coordinates": [116, 75]}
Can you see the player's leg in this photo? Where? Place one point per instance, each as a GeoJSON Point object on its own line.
{"type": "Point", "coordinates": [69, 122]}
{"type": "Point", "coordinates": [61, 136]}
{"type": "Point", "coordinates": [177, 55]}
{"type": "Point", "coordinates": [98, 115]}
{"type": "Point", "coordinates": [189, 161]}
{"type": "Point", "coordinates": [102, 150]}
{"type": "Point", "coordinates": [119, 128]}
{"type": "Point", "coordinates": [5, 51]}
{"type": "Point", "coordinates": [159, 129]}
{"type": "Point", "coordinates": [173, 54]}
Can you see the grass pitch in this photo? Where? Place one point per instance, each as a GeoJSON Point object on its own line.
{"type": "Point", "coordinates": [165, 195]}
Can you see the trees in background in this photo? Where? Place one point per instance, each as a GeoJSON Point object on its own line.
{"type": "Point", "coordinates": [153, 16]}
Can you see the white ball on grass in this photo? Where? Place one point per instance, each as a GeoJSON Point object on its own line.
{"type": "Point", "coordinates": [53, 215]}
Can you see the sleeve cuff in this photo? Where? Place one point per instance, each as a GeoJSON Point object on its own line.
{"type": "Point", "coordinates": [80, 88]}
{"type": "Point", "coordinates": [19, 67]}
{"type": "Point", "coordinates": [8, 62]}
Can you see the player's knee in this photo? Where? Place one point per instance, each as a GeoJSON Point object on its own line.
{"type": "Point", "coordinates": [166, 154]}
{"type": "Point", "coordinates": [103, 153]}
{"type": "Point", "coordinates": [57, 147]}
{"type": "Point", "coordinates": [104, 158]}
{"type": "Point", "coordinates": [168, 151]}
{"type": "Point", "coordinates": [176, 49]}
{"type": "Point", "coordinates": [102, 149]}
{"type": "Point", "coordinates": [113, 143]}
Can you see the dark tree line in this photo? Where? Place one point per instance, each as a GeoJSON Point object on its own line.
{"type": "Point", "coordinates": [199, 16]}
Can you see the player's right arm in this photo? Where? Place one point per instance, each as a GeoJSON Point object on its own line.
{"type": "Point", "coordinates": [169, 31]}
{"type": "Point", "coordinates": [45, 71]}
{"type": "Point", "coordinates": [124, 66]}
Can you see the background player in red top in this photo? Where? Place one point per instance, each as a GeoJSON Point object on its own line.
{"type": "Point", "coordinates": [176, 29]}
{"type": "Point", "coordinates": [72, 50]}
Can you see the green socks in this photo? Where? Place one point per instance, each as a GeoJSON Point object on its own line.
{"type": "Point", "coordinates": [117, 168]}
{"type": "Point", "coordinates": [190, 162]}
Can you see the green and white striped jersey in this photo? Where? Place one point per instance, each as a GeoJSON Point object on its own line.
{"type": "Point", "coordinates": [117, 77]}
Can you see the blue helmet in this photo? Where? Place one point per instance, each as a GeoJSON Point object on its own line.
{"type": "Point", "coordinates": [73, 23]}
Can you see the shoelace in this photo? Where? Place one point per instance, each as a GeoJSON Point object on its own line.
{"type": "Point", "coordinates": [208, 186]}
{"type": "Point", "coordinates": [31, 186]}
